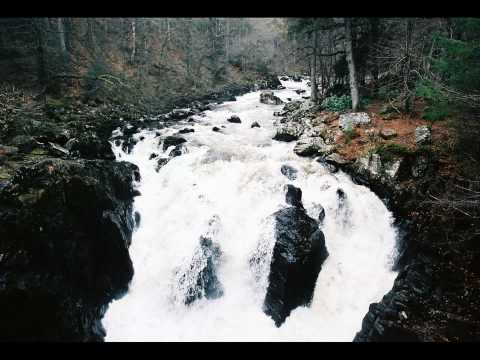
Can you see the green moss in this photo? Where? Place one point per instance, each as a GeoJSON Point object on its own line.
{"type": "Point", "coordinates": [388, 152]}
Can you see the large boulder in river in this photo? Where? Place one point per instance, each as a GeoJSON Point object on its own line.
{"type": "Point", "coordinates": [199, 279]}
{"type": "Point", "coordinates": [89, 146]}
{"type": "Point", "coordinates": [312, 146]}
{"type": "Point", "coordinates": [298, 255]}
{"type": "Point", "coordinates": [65, 229]}
{"type": "Point", "coordinates": [234, 119]}
{"type": "Point", "coordinates": [172, 141]}
{"type": "Point", "coordinates": [289, 131]}
{"type": "Point", "coordinates": [267, 97]}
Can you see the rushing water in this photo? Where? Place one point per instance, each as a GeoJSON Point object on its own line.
{"type": "Point", "coordinates": [236, 176]}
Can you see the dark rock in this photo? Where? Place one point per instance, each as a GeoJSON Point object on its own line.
{"type": "Point", "coordinates": [152, 156]}
{"type": "Point", "coordinates": [177, 151]}
{"type": "Point", "coordinates": [234, 119]}
{"type": "Point", "coordinates": [293, 196]}
{"type": "Point", "coordinates": [267, 97]}
{"type": "Point", "coordinates": [300, 91]}
{"type": "Point", "coordinates": [255, 124]}
{"type": "Point", "coordinates": [65, 229]}
{"type": "Point", "coordinates": [137, 219]}
{"type": "Point", "coordinates": [321, 214]}
{"type": "Point", "coordinates": [186, 131]}
{"type": "Point", "coordinates": [160, 163]}
{"type": "Point", "coordinates": [298, 255]}
{"type": "Point", "coordinates": [289, 172]}
{"type": "Point", "coordinates": [216, 129]}
{"type": "Point", "coordinates": [202, 282]}
{"type": "Point", "coordinates": [89, 146]}
{"type": "Point", "coordinates": [284, 78]}
{"type": "Point", "coordinates": [172, 141]}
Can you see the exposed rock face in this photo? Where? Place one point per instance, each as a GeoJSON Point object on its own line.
{"type": "Point", "coordinates": [312, 146]}
{"type": "Point", "coordinates": [351, 120]}
{"type": "Point", "coordinates": [423, 135]}
{"type": "Point", "coordinates": [267, 97]}
{"type": "Point", "coordinates": [289, 131]}
{"type": "Point", "coordinates": [298, 255]}
{"type": "Point", "coordinates": [186, 131]}
{"type": "Point", "coordinates": [293, 196]}
{"type": "Point", "coordinates": [289, 172]}
{"type": "Point", "coordinates": [388, 133]}
{"type": "Point", "coordinates": [234, 119]}
{"type": "Point", "coordinates": [172, 141]}
{"type": "Point", "coordinates": [200, 278]}
{"type": "Point", "coordinates": [65, 229]}
{"type": "Point", "coordinates": [89, 146]}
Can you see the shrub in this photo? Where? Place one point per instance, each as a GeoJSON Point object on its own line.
{"type": "Point", "coordinates": [438, 106]}
{"type": "Point", "coordinates": [337, 103]}
{"type": "Point", "coordinates": [350, 134]}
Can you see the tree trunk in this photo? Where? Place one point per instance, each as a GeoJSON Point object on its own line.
{"type": "Point", "coordinates": [351, 63]}
{"type": "Point", "coordinates": [134, 41]}
{"type": "Point", "coordinates": [61, 36]}
{"type": "Point", "coordinates": [407, 76]}
{"type": "Point", "coordinates": [313, 80]}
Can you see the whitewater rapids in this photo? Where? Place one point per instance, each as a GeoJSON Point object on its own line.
{"type": "Point", "coordinates": [236, 176]}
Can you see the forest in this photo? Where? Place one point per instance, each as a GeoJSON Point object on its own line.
{"type": "Point", "coordinates": [210, 157]}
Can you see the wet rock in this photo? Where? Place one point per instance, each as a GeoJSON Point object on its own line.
{"type": "Point", "coordinates": [300, 91]}
{"type": "Point", "coordinates": [292, 105]}
{"type": "Point", "coordinates": [216, 129]}
{"type": "Point", "coordinates": [298, 255]}
{"type": "Point", "coordinates": [289, 171]}
{"type": "Point", "coordinates": [267, 97]}
{"type": "Point", "coordinates": [423, 135]}
{"type": "Point", "coordinates": [234, 119]}
{"type": "Point", "coordinates": [89, 146]}
{"type": "Point", "coordinates": [312, 146]}
{"type": "Point", "coordinates": [293, 195]}
{"type": "Point", "coordinates": [152, 156]}
{"type": "Point", "coordinates": [352, 120]}
{"type": "Point", "coordinates": [255, 124]}
{"type": "Point", "coordinates": [172, 141]}
{"type": "Point", "coordinates": [321, 214]}
{"type": "Point", "coordinates": [57, 150]}
{"type": "Point", "coordinates": [199, 279]}
{"type": "Point", "coordinates": [289, 131]}
{"type": "Point", "coordinates": [160, 163]}
{"type": "Point", "coordinates": [284, 78]}
{"type": "Point", "coordinates": [65, 229]}
{"type": "Point", "coordinates": [186, 131]}
{"type": "Point", "coordinates": [296, 78]}
{"type": "Point", "coordinates": [179, 114]}
{"type": "Point", "coordinates": [178, 151]}
{"type": "Point", "coordinates": [336, 159]}
{"type": "Point", "coordinates": [281, 87]}
{"type": "Point", "coordinates": [279, 113]}
{"type": "Point", "coordinates": [137, 218]}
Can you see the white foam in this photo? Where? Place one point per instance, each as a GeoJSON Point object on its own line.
{"type": "Point", "coordinates": [236, 175]}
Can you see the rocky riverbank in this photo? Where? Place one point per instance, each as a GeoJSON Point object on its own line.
{"type": "Point", "coordinates": [436, 294]}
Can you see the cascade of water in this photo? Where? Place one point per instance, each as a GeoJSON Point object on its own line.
{"type": "Point", "coordinates": [235, 175]}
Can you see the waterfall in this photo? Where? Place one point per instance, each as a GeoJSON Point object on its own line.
{"type": "Point", "coordinates": [234, 177]}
